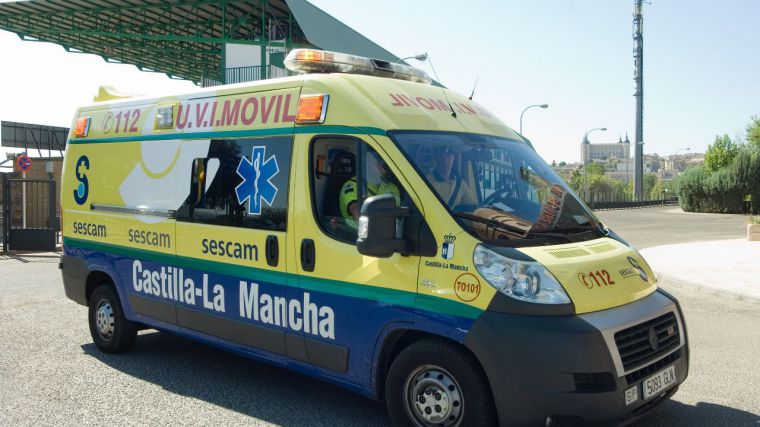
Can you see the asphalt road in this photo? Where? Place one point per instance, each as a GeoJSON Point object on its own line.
{"type": "Point", "coordinates": [657, 226]}
{"type": "Point", "coordinates": [52, 374]}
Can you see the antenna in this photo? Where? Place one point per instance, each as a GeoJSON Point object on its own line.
{"type": "Point", "coordinates": [474, 86]}
{"type": "Point", "coordinates": [638, 78]}
{"type": "Point", "coordinates": [453, 113]}
{"type": "Point", "coordinates": [433, 68]}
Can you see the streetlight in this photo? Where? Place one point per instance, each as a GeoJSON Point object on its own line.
{"type": "Point", "coordinates": [585, 137]}
{"type": "Point", "coordinates": [527, 108]}
{"type": "Point", "coordinates": [585, 164]}
{"type": "Point", "coordinates": [422, 57]}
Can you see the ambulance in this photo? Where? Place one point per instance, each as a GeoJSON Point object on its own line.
{"type": "Point", "coordinates": [358, 223]}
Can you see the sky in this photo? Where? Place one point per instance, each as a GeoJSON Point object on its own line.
{"type": "Point", "coordinates": [701, 67]}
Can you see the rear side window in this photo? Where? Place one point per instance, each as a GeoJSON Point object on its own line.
{"type": "Point", "coordinates": [241, 183]}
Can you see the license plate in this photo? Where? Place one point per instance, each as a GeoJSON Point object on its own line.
{"type": "Point", "coordinates": [658, 382]}
{"type": "Point", "coordinates": [631, 395]}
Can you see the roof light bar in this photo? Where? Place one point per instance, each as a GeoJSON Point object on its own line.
{"type": "Point", "coordinates": [323, 61]}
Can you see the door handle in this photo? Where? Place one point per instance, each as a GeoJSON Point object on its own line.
{"type": "Point", "coordinates": [272, 251]}
{"type": "Point", "coordinates": [307, 255]}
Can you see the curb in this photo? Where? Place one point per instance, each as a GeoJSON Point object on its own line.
{"type": "Point", "coordinates": [666, 279]}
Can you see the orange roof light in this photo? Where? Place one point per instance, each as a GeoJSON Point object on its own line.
{"type": "Point", "coordinates": [323, 61]}
{"type": "Point", "coordinates": [312, 108]}
{"type": "Point", "coordinates": [83, 127]}
{"type": "Point", "coordinates": [310, 55]}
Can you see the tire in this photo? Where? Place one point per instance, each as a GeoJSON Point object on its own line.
{"type": "Point", "coordinates": [110, 330]}
{"type": "Point", "coordinates": [435, 383]}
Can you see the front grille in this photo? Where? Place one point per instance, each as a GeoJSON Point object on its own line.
{"type": "Point", "coordinates": [594, 382]}
{"type": "Point", "coordinates": [647, 341]}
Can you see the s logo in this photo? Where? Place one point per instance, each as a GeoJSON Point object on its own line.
{"type": "Point", "coordinates": [635, 264]}
{"type": "Point", "coordinates": [83, 189]}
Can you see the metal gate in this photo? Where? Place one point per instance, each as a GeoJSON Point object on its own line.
{"type": "Point", "coordinates": [29, 212]}
{"type": "Point", "coordinates": [3, 177]}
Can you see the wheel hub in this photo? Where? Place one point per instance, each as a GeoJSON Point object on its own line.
{"type": "Point", "coordinates": [434, 397]}
{"type": "Point", "coordinates": [104, 319]}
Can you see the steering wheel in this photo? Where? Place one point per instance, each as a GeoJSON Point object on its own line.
{"type": "Point", "coordinates": [496, 195]}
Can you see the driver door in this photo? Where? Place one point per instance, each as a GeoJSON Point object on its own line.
{"type": "Point", "coordinates": [350, 298]}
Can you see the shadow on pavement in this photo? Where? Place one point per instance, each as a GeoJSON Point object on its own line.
{"type": "Point", "coordinates": [673, 413]}
{"type": "Point", "coordinates": [278, 396]}
{"type": "Point", "coordinates": [46, 257]}
{"type": "Point", "coordinates": [265, 392]}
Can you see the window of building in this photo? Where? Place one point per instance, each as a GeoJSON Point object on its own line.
{"type": "Point", "coordinates": [241, 183]}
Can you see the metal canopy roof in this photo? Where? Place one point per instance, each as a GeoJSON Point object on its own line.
{"type": "Point", "coordinates": [326, 32]}
{"type": "Point", "coordinates": [183, 39]}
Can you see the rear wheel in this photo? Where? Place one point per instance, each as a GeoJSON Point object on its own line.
{"type": "Point", "coordinates": [110, 330]}
{"type": "Point", "coordinates": [434, 383]}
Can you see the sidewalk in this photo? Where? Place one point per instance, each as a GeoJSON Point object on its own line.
{"type": "Point", "coordinates": [721, 267]}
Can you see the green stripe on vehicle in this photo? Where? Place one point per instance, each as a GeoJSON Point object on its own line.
{"type": "Point", "coordinates": [385, 295]}
{"type": "Point", "coordinates": [343, 130]}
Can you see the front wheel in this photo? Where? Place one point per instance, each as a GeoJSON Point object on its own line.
{"type": "Point", "coordinates": [110, 330]}
{"type": "Point", "coordinates": [434, 383]}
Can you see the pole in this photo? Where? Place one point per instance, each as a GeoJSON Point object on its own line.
{"type": "Point", "coordinates": [585, 183]}
{"type": "Point", "coordinates": [638, 77]}
{"type": "Point", "coordinates": [23, 201]}
{"type": "Point", "coordinates": [585, 164]}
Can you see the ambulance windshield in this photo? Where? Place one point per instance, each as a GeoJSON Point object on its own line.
{"type": "Point", "coordinates": [499, 189]}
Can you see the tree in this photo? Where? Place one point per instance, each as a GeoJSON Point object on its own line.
{"type": "Point", "coordinates": [563, 163]}
{"type": "Point", "coordinates": [650, 182]}
{"type": "Point", "coordinates": [596, 169]}
{"type": "Point", "coordinates": [746, 169]}
{"type": "Point", "coordinates": [576, 181]}
{"type": "Point", "coordinates": [753, 133]}
{"type": "Point", "coordinates": [720, 153]}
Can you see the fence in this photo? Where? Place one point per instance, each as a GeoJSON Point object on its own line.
{"type": "Point", "coordinates": [3, 239]}
{"type": "Point", "coordinates": [29, 221]}
{"type": "Point", "coordinates": [625, 201]}
{"type": "Point", "coordinates": [246, 74]}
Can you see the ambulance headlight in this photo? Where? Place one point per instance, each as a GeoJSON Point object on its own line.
{"type": "Point", "coordinates": [525, 281]}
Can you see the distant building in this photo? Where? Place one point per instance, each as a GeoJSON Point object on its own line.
{"type": "Point", "coordinates": [651, 163]}
{"type": "Point", "coordinates": [604, 152]}
{"type": "Point", "coordinates": [682, 162]}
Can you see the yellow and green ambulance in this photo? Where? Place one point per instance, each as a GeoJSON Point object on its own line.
{"type": "Point", "coordinates": [358, 224]}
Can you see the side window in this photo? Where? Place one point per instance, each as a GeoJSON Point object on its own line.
{"type": "Point", "coordinates": [241, 183]}
{"type": "Point", "coordinates": [344, 173]}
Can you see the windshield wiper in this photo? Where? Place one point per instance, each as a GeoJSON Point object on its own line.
{"type": "Point", "coordinates": [491, 222]}
{"type": "Point", "coordinates": [567, 231]}
{"type": "Point", "coordinates": [521, 233]}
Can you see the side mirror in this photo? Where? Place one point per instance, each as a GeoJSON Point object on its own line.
{"type": "Point", "coordinates": [381, 226]}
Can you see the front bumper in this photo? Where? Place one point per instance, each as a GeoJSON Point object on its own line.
{"type": "Point", "coordinates": [569, 367]}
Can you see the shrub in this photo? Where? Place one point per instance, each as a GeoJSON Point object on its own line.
{"type": "Point", "coordinates": [724, 190]}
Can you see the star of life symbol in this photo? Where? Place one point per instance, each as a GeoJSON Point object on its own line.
{"type": "Point", "coordinates": [257, 174]}
{"type": "Point", "coordinates": [447, 248]}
